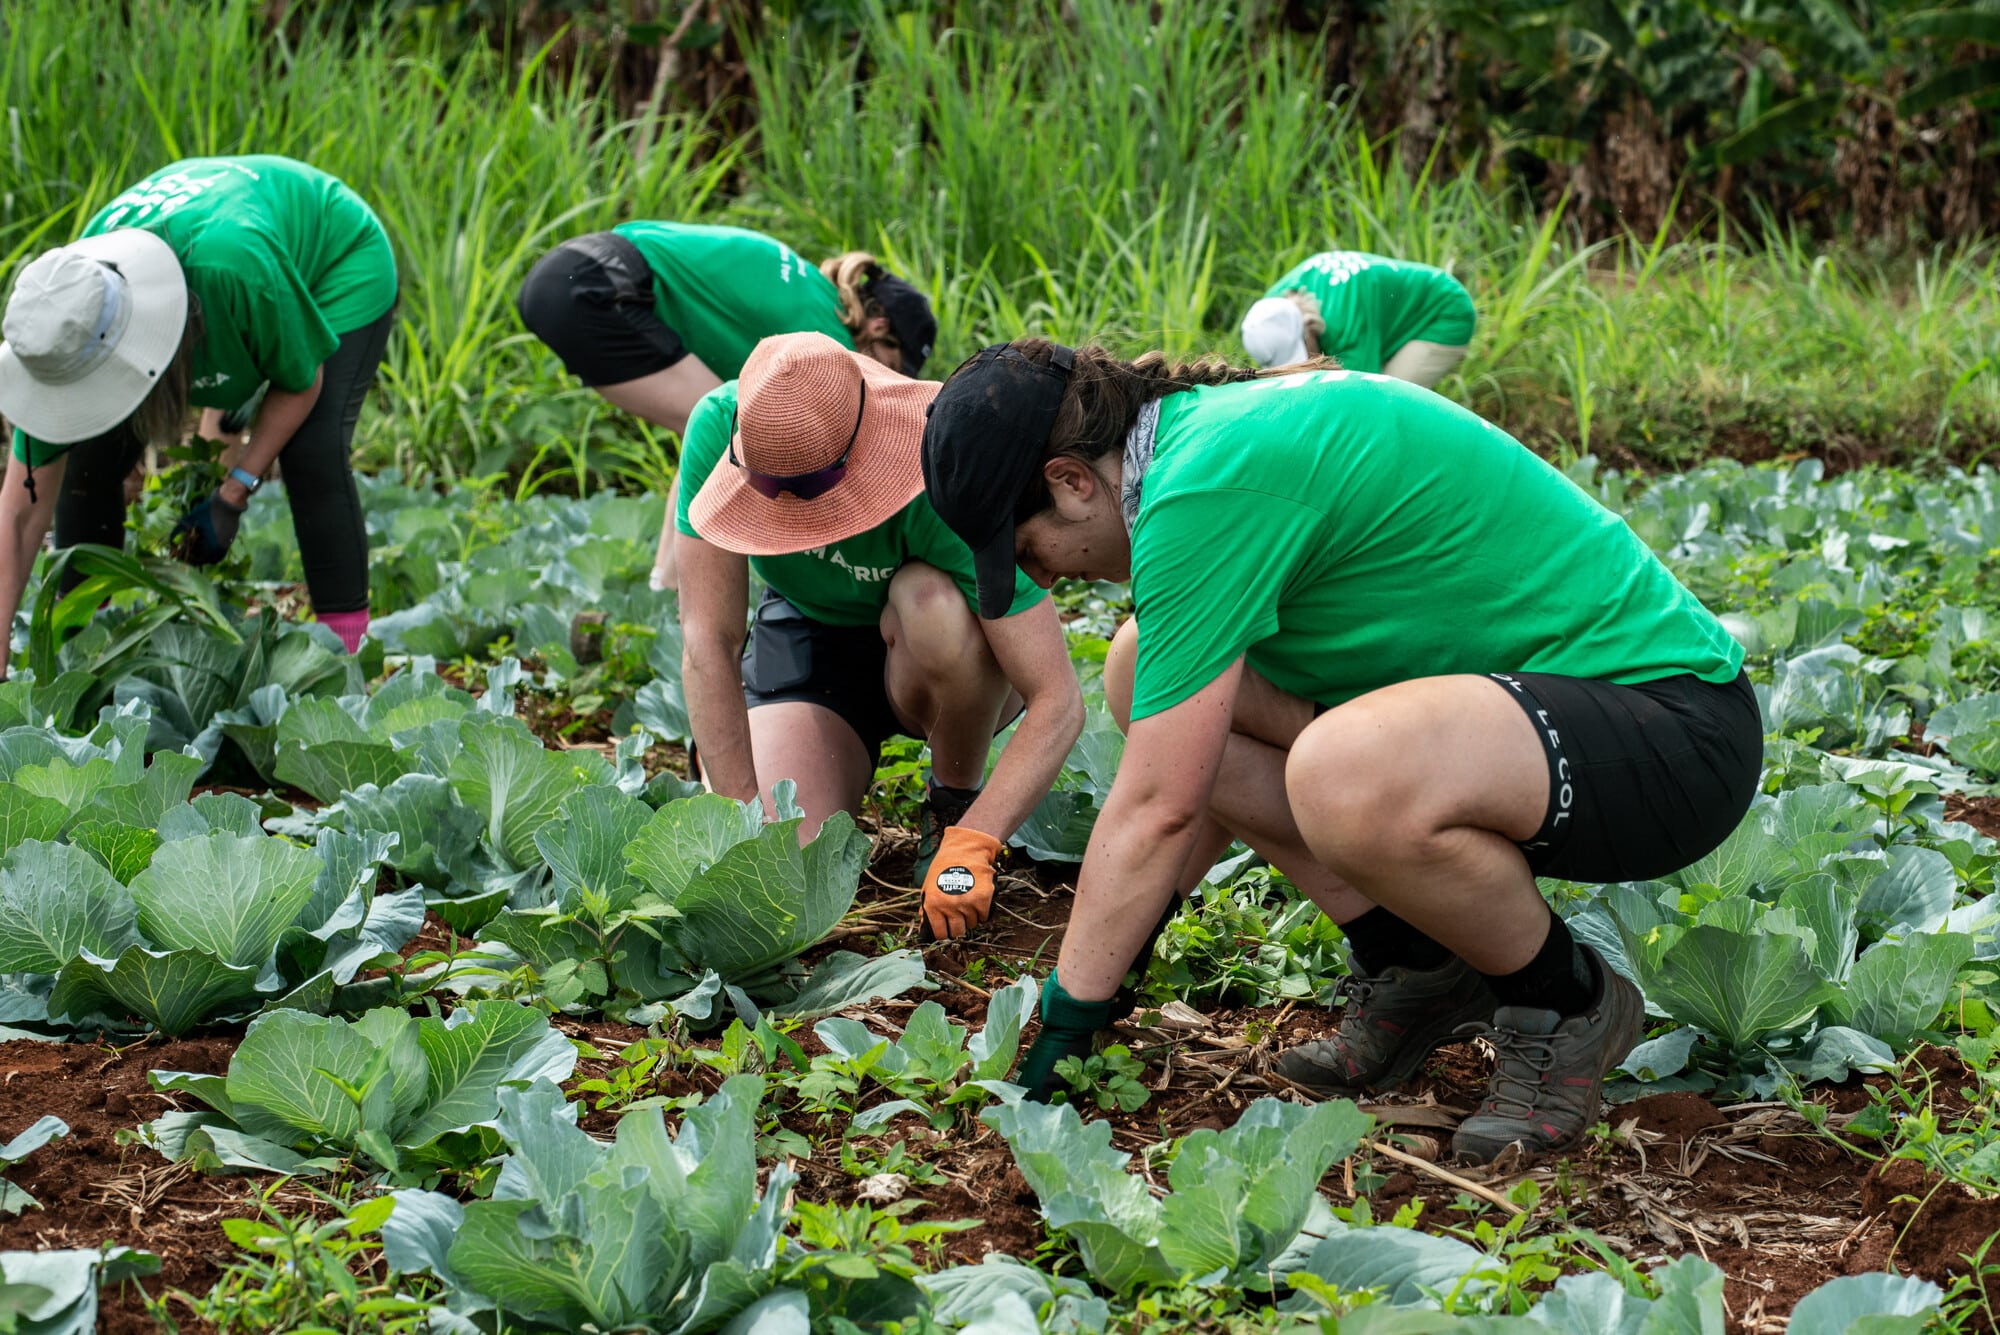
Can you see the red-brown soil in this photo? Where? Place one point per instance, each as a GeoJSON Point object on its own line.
{"type": "Point", "coordinates": [1780, 1209]}
{"type": "Point", "coordinates": [1981, 813]}
{"type": "Point", "coordinates": [94, 1190]}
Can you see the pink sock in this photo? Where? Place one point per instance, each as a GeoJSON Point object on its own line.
{"type": "Point", "coordinates": [349, 626]}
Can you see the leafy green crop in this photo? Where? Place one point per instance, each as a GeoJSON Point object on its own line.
{"type": "Point", "coordinates": [305, 1092]}
{"type": "Point", "coordinates": [650, 1233]}
{"type": "Point", "coordinates": [119, 897]}
{"type": "Point", "coordinates": [1803, 944]}
{"type": "Point", "coordinates": [643, 905]}
{"type": "Point", "coordinates": [55, 1292]}
{"type": "Point", "coordinates": [1240, 1196]}
{"type": "Point", "coordinates": [933, 1067]}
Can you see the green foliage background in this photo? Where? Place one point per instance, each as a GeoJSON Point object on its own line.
{"type": "Point", "coordinates": [1692, 226]}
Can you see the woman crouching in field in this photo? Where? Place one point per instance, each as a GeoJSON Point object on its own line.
{"type": "Point", "coordinates": [209, 281]}
{"type": "Point", "coordinates": [653, 315]}
{"type": "Point", "coordinates": [1390, 649]}
{"type": "Point", "coordinates": [806, 470]}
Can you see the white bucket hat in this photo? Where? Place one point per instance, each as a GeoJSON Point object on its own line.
{"type": "Point", "coordinates": [90, 329]}
{"type": "Point", "coordinates": [1274, 332]}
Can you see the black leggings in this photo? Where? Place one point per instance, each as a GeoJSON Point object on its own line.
{"type": "Point", "coordinates": [319, 479]}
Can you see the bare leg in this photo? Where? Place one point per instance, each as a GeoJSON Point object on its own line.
{"type": "Point", "coordinates": [1456, 775]}
{"type": "Point", "coordinates": [942, 678]}
{"type": "Point", "coordinates": [665, 398]}
{"type": "Point", "coordinates": [816, 749]}
{"type": "Point", "coordinates": [1250, 802]}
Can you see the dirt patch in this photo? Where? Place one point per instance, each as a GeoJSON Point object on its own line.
{"type": "Point", "coordinates": [1929, 1225]}
{"type": "Point", "coordinates": [93, 1190]}
{"type": "Point", "coordinates": [1981, 813]}
{"type": "Point", "coordinates": [1677, 1116]}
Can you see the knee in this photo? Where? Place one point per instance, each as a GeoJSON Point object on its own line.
{"type": "Point", "coordinates": [1120, 663]}
{"type": "Point", "coordinates": [928, 619]}
{"type": "Point", "coordinates": [1354, 791]}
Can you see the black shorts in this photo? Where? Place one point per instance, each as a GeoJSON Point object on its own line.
{"type": "Point", "coordinates": [1643, 779]}
{"type": "Point", "coordinates": [789, 656]}
{"type": "Point", "coordinates": [591, 301]}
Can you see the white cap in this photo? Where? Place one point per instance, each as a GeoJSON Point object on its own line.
{"type": "Point", "coordinates": [1274, 332]}
{"type": "Point", "coordinates": [90, 329]}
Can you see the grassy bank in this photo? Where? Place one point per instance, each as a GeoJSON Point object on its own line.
{"type": "Point", "coordinates": [1095, 178]}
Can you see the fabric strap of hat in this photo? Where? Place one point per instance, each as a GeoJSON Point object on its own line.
{"type": "Point", "coordinates": [111, 317]}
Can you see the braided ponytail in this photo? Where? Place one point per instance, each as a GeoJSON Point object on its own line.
{"type": "Point", "coordinates": [1103, 400]}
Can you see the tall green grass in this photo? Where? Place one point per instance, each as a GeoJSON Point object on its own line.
{"type": "Point", "coordinates": [1090, 170]}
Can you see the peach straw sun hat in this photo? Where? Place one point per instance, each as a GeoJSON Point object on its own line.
{"type": "Point", "coordinates": [827, 444]}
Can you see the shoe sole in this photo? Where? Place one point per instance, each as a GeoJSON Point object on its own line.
{"type": "Point", "coordinates": [1422, 1044]}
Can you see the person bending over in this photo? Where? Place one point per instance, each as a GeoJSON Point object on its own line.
{"type": "Point", "coordinates": [1368, 313]}
{"type": "Point", "coordinates": [257, 287]}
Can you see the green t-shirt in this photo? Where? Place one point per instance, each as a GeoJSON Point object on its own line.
{"type": "Point", "coordinates": [723, 289]}
{"type": "Point", "coordinates": [1373, 306]}
{"type": "Point", "coordinates": [282, 257]}
{"type": "Point", "coordinates": [1350, 531]}
{"type": "Point", "coordinates": [844, 583]}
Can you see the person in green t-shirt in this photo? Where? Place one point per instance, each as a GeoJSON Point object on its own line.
{"type": "Point", "coordinates": [653, 315]}
{"type": "Point", "coordinates": [1396, 653]}
{"type": "Point", "coordinates": [1368, 313]}
{"type": "Point", "coordinates": [805, 470]}
{"type": "Point", "coordinates": [258, 289]}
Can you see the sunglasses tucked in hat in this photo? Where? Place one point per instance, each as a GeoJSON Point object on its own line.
{"type": "Point", "coordinates": [824, 446]}
{"type": "Point", "coordinates": [90, 328]}
{"type": "Point", "coordinates": [982, 451]}
{"type": "Point", "coordinates": [909, 314]}
{"type": "Point", "coordinates": [1274, 333]}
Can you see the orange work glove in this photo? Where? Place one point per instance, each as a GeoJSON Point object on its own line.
{"type": "Point", "coordinates": [958, 892]}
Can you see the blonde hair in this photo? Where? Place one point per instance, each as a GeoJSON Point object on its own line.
{"type": "Point", "coordinates": [851, 273]}
{"type": "Point", "coordinates": [161, 416]}
{"type": "Point", "coordinates": [1315, 323]}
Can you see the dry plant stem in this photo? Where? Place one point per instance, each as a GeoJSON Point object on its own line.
{"type": "Point", "coordinates": [1444, 1175]}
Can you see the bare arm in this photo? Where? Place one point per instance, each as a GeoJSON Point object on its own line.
{"type": "Point", "coordinates": [715, 599]}
{"type": "Point", "coordinates": [24, 522]}
{"type": "Point", "coordinates": [1032, 652]}
{"type": "Point", "coordinates": [1144, 834]}
{"type": "Point", "coordinates": [279, 418]}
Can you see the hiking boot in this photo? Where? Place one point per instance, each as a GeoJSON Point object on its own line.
{"type": "Point", "coordinates": [1548, 1071]}
{"type": "Point", "coordinates": [941, 810]}
{"type": "Point", "coordinates": [1393, 1021]}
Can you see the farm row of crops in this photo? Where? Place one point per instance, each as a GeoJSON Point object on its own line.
{"type": "Point", "coordinates": [442, 931]}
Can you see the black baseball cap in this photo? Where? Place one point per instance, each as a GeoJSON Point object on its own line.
{"type": "Point", "coordinates": [982, 450]}
{"type": "Point", "coordinates": [909, 314]}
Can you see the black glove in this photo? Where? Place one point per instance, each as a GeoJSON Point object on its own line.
{"type": "Point", "coordinates": [1069, 1029]}
{"type": "Point", "coordinates": [203, 536]}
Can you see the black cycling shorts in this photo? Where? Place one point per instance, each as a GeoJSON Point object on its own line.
{"type": "Point", "coordinates": [789, 656]}
{"type": "Point", "coordinates": [591, 301]}
{"type": "Point", "coordinates": [1643, 779]}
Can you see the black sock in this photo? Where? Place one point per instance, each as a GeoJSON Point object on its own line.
{"type": "Point", "coordinates": [1380, 940]}
{"type": "Point", "coordinates": [1559, 978]}
{"type": "Point", "coordinates": [949, 802]}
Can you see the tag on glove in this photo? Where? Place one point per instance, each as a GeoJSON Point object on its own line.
{"type": "Point", "coordinates": [958, 892]}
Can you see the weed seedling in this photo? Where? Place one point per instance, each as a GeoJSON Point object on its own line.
{"type": "Point", "coordinates": [1110, 1078]}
